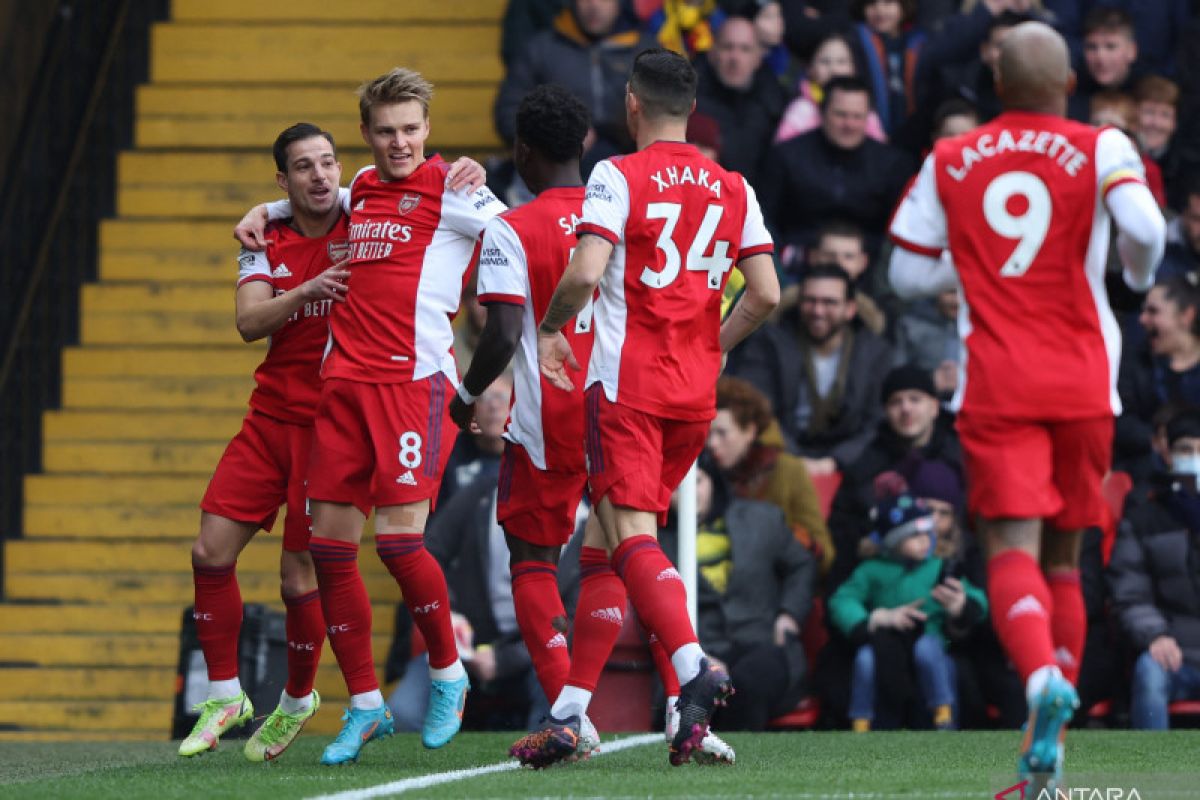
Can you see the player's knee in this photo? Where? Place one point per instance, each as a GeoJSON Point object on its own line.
{"type": "Point", "coordinates": [205, 555]}
{"type": "Point", "coordinates": [519, 550]}
{"type": "Point", "coordinates": [297, 576]}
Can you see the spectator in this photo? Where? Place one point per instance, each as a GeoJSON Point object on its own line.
{"type": "Point", "coordinates": [1157, 102]}
{"type": "Point", "coordinates": [1109, 53]}
{"type": "Point", "coordinates": [927, 337]}
{"type": "Point", "coordinates": [747, 446]}
{"type": "Point", "coordinates": [1119, 110]}
{"type": "Point", "coordinates": [465, 539]}
{"type": "Point", "coordinates": [913, 426]}
{"type": "Point", "coordinates": [891, 47]}
{"type": "Point", "coordinates": [1159, 33]}
{"type": "Point", "coordinates": [834, 172]}
{"type": "Point", "coordinates": [845, 244]}
{"type": "Point", "coordinates": [832, 58]}
{"type": "Point", "coordinates": [755, 590]}
{"type": "Point", "coordinates": [954, 117]}
{"type": "Point", "coordinates": [1183, 237]}
{"type": "Point", "coordinates": [589, 50]}
{"type": "Point", "coordinates": [1154, 576]}
{"type": "Point", "coordinates": [523, 19]}
{"type": "Point", "coordinates": [741, 94]}
{"type": "Point", "coordinates": [807, 22]}
{"type": "Point", "coordinates": [479, 453]}
{"type": "Point", "coordinates": [902, 606]}
{"type": "Point", "coordinates": [769, 25]}
{"type": "Point", "coordinates": [821, 371]}
{"type": "Point", "coordinates": [703, 131]}
{"type": "Point", "coordinates": [1162, 368]}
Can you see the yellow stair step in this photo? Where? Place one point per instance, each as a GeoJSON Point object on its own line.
{"type": "Point", "coordinates": [253, 167]}
{"type": "Point", "coordinates": [460, 118]}
{"type": "Point", "coordinates": [195, 267]}
{"type": "Point", "coordinates": [127, 362]}
{"type": "Point", "coordinates": [118, 457]}
{"type": "Point", "coordinates": [206, 201]}
{"type": "Point", "coordinates": [141, 715]}
{"type": "Point", "coordinates": [156, 236]}
{"type": "Point", "coordinates": [60, 735]}
{"type": "Point", "coordinates": [77, 425]}
{"type": "Point", "coordinates": [103, 298]}
{"type": "Point", "coordinates": [167, 392]}
{"type": "Point", "coordinates": [80, 618]}
{"type": "Point", "coordinates": [233, 53]}
{"type": "Point", "coordinates": [147, 650]}
{"type": "Point", "coordinates": [134, 521]}
{"type": "Point", "coordinates": [72, 491]}
{"type": "Point", "coordinates": [160, 328]}
{"type": "Point", "coordinates": [323, 11]}
{"type": "Point", "coordinates": [133, 587]}
{"type": "Point", "coordinates": [75, 683]}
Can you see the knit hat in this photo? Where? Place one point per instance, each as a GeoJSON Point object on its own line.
{"type": "Point", "coordinates": [936, 480]}
{"type": "Point", "coordinates": [899, 518]}
{"type": "Point", "coordinates": [704, 131]}
{"type": "Point", "coordinates": [908, 377]}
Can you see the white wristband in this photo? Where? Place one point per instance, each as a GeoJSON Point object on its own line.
{"type": "Point", "coordinates": [467, 398]}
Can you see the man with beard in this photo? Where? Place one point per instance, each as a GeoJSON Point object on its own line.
{"type": "Point", "coordinates": [821, 370]}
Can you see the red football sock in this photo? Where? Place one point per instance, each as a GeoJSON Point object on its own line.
{"type": "Point", "coordinates": [666, 670]}
{"type": "Point", "coordinates": [424, 588]}
{"type": "Point", "coordinates": [306, 636]}
{"type": "Point", "coordinates": [218, 615]}
{"type": "Point", "coordinates": [1068, 622]}
{"type": "Point", "coordinates": [656, 590]}
{"type": "Point", "coordinates": [347, 611]}
{"type": "Point", "coordinates": [599, 615]}
{"type": "Point", "coordinates": [543, 622]}
{"type": "Point", "coordinates": [1021, 611]}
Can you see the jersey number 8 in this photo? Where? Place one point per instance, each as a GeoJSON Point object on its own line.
{"type": "Point", "coordinates": [715, 265]}
{"type": "Point", "coordinates": [1029, 227]}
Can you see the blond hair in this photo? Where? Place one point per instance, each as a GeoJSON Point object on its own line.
{"type": "Point", "coordinates": [400, 85]}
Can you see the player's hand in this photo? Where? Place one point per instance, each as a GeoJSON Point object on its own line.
{"type": "Point", "coordinates": [466, 173]}
{"type": "Point", "coordinates": [329, 285]}
{"type": "Point", "coordinates": [554, 356]}
{"type": "Point", "coordinates": [951, 595]}
{"type": "Point", "coordinates": [463, 415]}
{"type": "Point", "coordinates": [785, 624]}
{"type": "Point", "coordinates": [1165, 651]}
{"type": "Point", "coordinates": [251, 231]}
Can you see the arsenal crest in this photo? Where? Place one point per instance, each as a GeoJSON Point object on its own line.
{"type": "Point", "coordinates": [409, 202]}
{"type": "Point", "coordinates": [339, 250]}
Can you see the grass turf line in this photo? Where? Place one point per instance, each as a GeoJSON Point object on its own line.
{"type": "Point", "coordinates": [805, 765]}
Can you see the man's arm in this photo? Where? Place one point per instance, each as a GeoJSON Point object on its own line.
{"type": "Point", "coordinates": [915, 275]}
{"type": "Point", "coordinates": [574, 290]}
{"type": "Point", "coordinates": [1141, 233]}
{"type": "Point", "coordinates": [497, 344]}
{"type": "Point", "coordinates": [758, 300]}
{"type": "Point", "coordinates": [918, 229]}
{"type": "Point", "coordinates": [260, 312]}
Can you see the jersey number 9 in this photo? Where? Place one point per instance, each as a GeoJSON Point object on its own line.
{"type": "Point", "coordinates": [1029, 227]}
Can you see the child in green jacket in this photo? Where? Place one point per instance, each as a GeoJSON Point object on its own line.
{"type": "Point", "coordinates": [901, 604]}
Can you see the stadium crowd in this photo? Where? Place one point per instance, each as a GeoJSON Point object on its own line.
{"type": "Point", "coordinates": [827, 108]}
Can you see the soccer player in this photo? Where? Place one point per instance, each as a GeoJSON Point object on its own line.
{"type": "Point", "coordinates": [543, 475]}
{"type": "Point", "coordinates": [660, 231]}
{"type": "Point", "coordinates": [285, 293]}
{"type": "Point", "coordinates": [1023, 205]}
{"type": "Point", "coordinates": [383, 432]}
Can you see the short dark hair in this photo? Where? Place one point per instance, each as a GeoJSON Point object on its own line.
{"type": "Point", "coordinates": [843, 227]}
{"type": "Point", "coordinates": [1008, 19]}
{"type": "Point", "coordinates": [664, 82]}
{"type": "Point", "coordinates": [908, 8]}
{"type": "Point", "coordinates": [954, 107]}
{"type": "Point", "coordinates": [826, 270]}
{"type": "Point", "coordinates": [845, 83]}
{"type": "Point", "coordinates": [1108, 19]}
{"type": "Point", "coordinates": [1182, 291]}
{"type": "Point", "coordinates": [296, 133]}
{"type": "Point", "coordinates": [554, 122]}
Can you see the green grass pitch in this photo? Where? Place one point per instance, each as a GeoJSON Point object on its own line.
{"type": "Point", "coordinates": [817, 766]}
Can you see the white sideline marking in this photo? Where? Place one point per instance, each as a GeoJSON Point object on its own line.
{"type": "Point", "coordinates": [438, 778]}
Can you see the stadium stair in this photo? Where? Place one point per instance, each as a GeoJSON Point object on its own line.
{"type": "Point", "coordinates": [89, 630]}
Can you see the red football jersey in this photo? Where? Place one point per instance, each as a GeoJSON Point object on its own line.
{"type": "Point", "coordinates": [411, 244]}
{"type": "Point", "coordinates": [289, 378]}
{"type": "Point", "coordinates": [525, 253]}
{"type": "Point", "coordinates": [1019, 204]}
{"type": "Point", "coordinates": [678, 223]}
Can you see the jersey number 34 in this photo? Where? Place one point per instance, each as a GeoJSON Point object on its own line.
{"type": "Point", "coordinates": [716, 265]}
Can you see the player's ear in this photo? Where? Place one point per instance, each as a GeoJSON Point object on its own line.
{"type": "Point", "coordinates": [281, 180]}
{"type": "Point", "coordinates": [366, 133]}
{"type": "Point", "coordinates": [1071, 81]}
